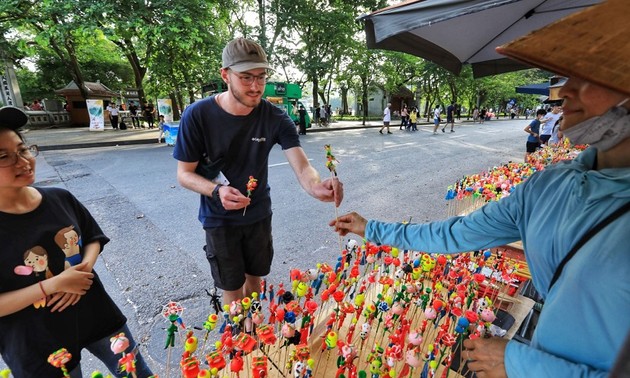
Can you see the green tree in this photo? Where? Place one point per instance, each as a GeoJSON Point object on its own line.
{"type": "Point", "coordinates": [175, 43]}
{"type": "Point", "coordinates": [362, 74]}
{"type": "Point", "coordinates": [309, 35]}
{"type": "Point", "coordinates": [98, 58]}
{"type": "Point", "coordinates": [55, 25]}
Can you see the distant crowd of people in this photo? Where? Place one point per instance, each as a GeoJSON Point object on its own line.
{"type": "Point", "coordinates": [322, 115]}
{"type": "Point", "coordinates": [142, 116]}
{"type": "Point", "coordinates": [35, 105]}
{"type": "Point", "coordinates": [544, 129]}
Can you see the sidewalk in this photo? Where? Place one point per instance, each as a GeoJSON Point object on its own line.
{"type": "Point", "coordinates": [81, 137]}
{"type": "Point", "coordinates": [66, 138]}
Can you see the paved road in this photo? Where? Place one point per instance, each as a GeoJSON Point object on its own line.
{"type": "Point", "coordinates": [155, 254]}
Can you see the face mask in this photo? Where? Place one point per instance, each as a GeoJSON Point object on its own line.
{"type": "Point", "coordinates": [602, 132]}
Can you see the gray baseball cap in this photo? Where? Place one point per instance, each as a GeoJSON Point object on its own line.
{"type": "Point", "coordinates": [242, 54]}
{"type": "Point", "coordinates": [12, 117]}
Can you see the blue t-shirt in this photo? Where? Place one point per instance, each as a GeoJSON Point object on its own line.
{"type": "Point", "coordinates": [206, 128]}
{"type": "Point", "coordinates": [535, 127]}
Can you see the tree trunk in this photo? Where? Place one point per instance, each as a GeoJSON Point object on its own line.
{"type": "Point", "coordinates": [262, 21]}
{"type": "Point", "coordinates": [138, 70]}
{"type": "Point", "coordinates": [315, 92]}
{"type": "Point", "coordinates": [364, 98]}
{"type": "Point", "coordinates": [344, 100]}
{"type": "Point", "coordinates": [176, 106]}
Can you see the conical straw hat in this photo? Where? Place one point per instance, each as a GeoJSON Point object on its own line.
{"type": "Point", "coordinates": [592, 45]}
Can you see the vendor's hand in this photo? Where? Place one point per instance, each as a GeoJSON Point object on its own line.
{"type": "Point", "coordinates": [232, 198]}
{"type": "Point", "coordinates": [486, 357]}
{"type": "Point", "coordinates": [352, 222]}
{"type": "Point", "coordinates": [329, 190]}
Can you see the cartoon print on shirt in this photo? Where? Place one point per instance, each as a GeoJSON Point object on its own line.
{"type": "Point", "coordinates": [37, 259]}
{"type": "Point", "coordinates": [70, 243]}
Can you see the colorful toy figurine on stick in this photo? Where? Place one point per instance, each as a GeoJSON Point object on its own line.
{"type": "Point", "coordinates": [119, 345]}
{"type": "Point", "coordinates": [330, 160]}
{"type": "Point", "coordinates": [59, 359]}
{"type": "Point", "coordinates": [330, 164]}
{"type": "Point", "coordinates": [251, 186]}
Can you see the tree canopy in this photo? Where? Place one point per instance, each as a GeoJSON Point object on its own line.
{"type": "Point", "coordinates": [171, 48]}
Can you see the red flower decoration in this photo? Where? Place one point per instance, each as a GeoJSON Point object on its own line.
{"type": "Point", "coordinates": [456, 311]}
{"type": "Point", "coordinates": [448, 340]}
{"type": "Point", "coordinates": [471, 316]}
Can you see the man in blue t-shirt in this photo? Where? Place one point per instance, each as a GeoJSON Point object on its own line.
{"type": "Point", "coordinates": [230, 136]}
{"type": "Point", "coordinates": [450, 117]}
{"type": "Point", "coordinates": [533, 129]}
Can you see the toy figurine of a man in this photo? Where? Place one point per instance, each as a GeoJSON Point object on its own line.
{"type": "Point", "coordinates": [170, 331]}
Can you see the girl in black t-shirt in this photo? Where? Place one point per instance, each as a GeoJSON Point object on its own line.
{"type": "Point", "coordinates": [50, 298]}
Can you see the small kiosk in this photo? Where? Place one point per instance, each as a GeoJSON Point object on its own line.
{"type": "Point", "coordinates": [76, 103]}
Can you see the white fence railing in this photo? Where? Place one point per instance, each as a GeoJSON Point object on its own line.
{"type": "Point", "coordinates": [46, 118]}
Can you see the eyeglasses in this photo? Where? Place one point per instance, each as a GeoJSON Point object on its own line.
{"type": "Point", "coordinates": [249, 79]}
{"type": "Point", "coordinates": [26, 152]}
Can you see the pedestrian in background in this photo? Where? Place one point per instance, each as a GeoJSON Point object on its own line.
{"type": "Point", "coordinates": [549, 121]}
{"type": "Point", "coordinates": [413, 119]}
{"type": "Point", "coordinates": [482, 115]}
{"type": "Point", "coordinates": [302, 120]}
{"type": "Point", "coordinates": [160, 127]}
{"type": "Point", "coordinates": [36, 105]}
{"type": "Point", "coordinates": [533, 129]}
{"type": "Point", "coordinates": [112, 109]}
{"type": "Point", "coordinates": [133, 113]}
{"type": "Point", "coordinates": [450, 117]}
{"type": "Point", "coordinates": [223, 141]}
{"type": "Point", "coordinates": [50, 296]}
{"type": "Point", "coordinates": [556, 134]}
{"type": "Point", "coordinates": [436, 119]}
{"type": "Point", "coordinates": [149, 112]}
{"type": "Point", "coordinates": [323, 116]}
{"type": "Point", "coordinates": [580, 266]}
{"type": "Point", "coordinates": [404, 123]}
{"type": "Point", "coordinates": [328, 113]}
{"type": "Point", "coordinates": [387, 118]}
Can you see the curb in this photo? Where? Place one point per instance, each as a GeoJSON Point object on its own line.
{"type": "Point", "coordinates": [112, 143]}
{"type": "Point", "coordinates": [153, 140]}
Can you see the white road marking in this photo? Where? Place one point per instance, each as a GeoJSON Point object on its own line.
{"type": "Point", "coordinates": [283, 163]}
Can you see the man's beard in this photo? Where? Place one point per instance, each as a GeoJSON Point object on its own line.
{"type": "Point", "coordinates": [246, 100]}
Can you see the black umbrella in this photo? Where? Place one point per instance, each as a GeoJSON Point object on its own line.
{"type": "Point", "coordinates": [451, 33]}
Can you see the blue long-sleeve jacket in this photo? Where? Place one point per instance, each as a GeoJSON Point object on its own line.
{"type": "Point", "coordinates": [586, 315]}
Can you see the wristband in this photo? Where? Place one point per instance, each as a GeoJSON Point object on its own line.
{"type": "Point", "coordinates": [215, 192]}
{"type": "Point", "coordinates": [42, 288]}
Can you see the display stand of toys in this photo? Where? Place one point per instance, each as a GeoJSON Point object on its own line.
{"type": "Point", "coordinates": [377, 312]}
{"type": "Point", "coordinates": [474, 191]}
{"type": "Point", "coordinates": [552, 154]}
